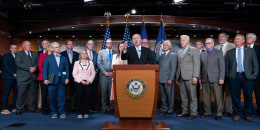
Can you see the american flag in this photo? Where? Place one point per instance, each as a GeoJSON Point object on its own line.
{"type": "Point", "coordinates": [107, 36]}
{"type": "Point", "coordinates": [127, 36]}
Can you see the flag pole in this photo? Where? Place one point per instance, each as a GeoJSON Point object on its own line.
{"type": "Point", "coordinates": [108, 14]}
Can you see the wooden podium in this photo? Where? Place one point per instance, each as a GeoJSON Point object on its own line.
{"type": "Point", "coordinates": [135, 89]}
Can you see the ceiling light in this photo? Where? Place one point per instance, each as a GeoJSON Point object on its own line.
{"type": "Point", "coordinates": [87, 1]}
{"type": "Point", "coordinates": [177, 1]}
{"type": "Point", "coordinates": [133, 11]}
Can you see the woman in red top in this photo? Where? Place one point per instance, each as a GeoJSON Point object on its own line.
{"type": "Point", "coordinates": [44, 89]}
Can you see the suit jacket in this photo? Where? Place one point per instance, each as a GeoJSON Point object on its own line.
{"type": "Point", "coordinates": [50, 67]}
{"type": "Point", "coordinates": [229, 46]}
{"type": "Point", "coordinates": [250, 63]}
{"type": "Point", "coordinates": [257, 51]}
{"type": "Point", "coordinates": [132, 57]}
{"type": "Point", "coordinates": [9, 66]}
{"type": "Point", "coordinates": [103, 61]}
{"type": "Point", "coordinates": [1, 64]}
{"type": "Point", "coordinates": [167, 67]}
{"type": "Point", "coordinates": [189, 66]}
{"type": "Point", "coordinates": [214, 70]}
{"type": "Point", "coordinates": [40, 65]}
{"type": "Point", "coordinates": [23, 63]}
{"type": "Point", "coordinates": [75, 58]}
{"type": "Point", "coordinates": [94, 60]}
{"type": "Point", "coordinates": [39, 52]}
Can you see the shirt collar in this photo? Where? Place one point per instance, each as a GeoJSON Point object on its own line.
{"type": "Point", "coordinates": [210, 51]}
{"type": "Point", "coordinates": [167, 52]}
{"type": "Point", "coordinates": [240, 47]}
{"type": "Point", "coordinates": [69, 51]}
{"type": "Point", "coordinates": [56, 54]}
{"type": "Point", "coordinates": [252, 45]}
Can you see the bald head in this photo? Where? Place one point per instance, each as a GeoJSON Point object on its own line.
{"type": "Point", "coordinates": [27, 46]}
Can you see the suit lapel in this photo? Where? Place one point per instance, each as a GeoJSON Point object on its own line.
{"type": "Point", "coordinates": [204, 57]}
{"type": "Point", "coordinates": [54, 60]}
{"type": "Point", "coordinates": [245, 55]}
{"type": "Point", "coordinates": [166, 56]}
{"type": "Point", "coordinates": [188, 51]}
{"type": "Point", "coordinates": [25, 55]}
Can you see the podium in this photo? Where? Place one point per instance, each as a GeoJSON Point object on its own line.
{"type": "Point", "coordinates": [135, 90]}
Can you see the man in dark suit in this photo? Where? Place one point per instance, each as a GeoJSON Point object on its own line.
{"type": "Point", "coordinates": [71, 56]}
{"type": "Point", "coordinates": [212, 77]}
{"type": "Point", "coordinates": [104, 64]}
{"type": "Point", "coordinates": [27, 63]}
{"type": "Point", "coordinates": [137, 54]}
{"type": "Point", "coordinates": [92, 56]}
{"type": "Point", "coordinates": [145, 43]}
{"type": "Point", "coordinates": [250, 40]}
{"type": "Point", "coordinates": [168, 65]}
{"type": "Point", "coordinates": [241, 68]}
{"type": "Point", "coordinates": [9, 79]}
{"type": "Point", "coordinates": [57, 65]}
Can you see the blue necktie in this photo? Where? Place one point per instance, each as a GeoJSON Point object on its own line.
{"type": "Point", "coordinates": [110, 56]}
{"type": "Point", "coordinates": [239, 61]}
{"type": "Point", "coordinates": [163, 56]}
{"type": "Point", "coordinates": [138, 52]}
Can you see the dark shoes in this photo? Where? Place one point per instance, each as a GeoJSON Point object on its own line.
{"type": "Point", "coordinates": [182, 115]}
{"type": "Point", "coordinates": [227, 114]}
{"type": "Point", "coordinates": [168, 114]}
{"type": "Point", "coordinates": [218, 117]}
{"type": "Point", "coordinates": [35, 111]}
{"type": "Point", "coordinates": [104, 111]}
{"type": "Point", "coordinates": [204, 116]}
{"type": "Point", "coordinates": [93, 109]}
{"type": "Point", "coordinates": [191, 117]}
{"type": "Point", "coordinates": [18, 113]}
{"type": "Point", "coordinates": [236, 118]}
{"type": "Point", "coordinates": [45, 112]}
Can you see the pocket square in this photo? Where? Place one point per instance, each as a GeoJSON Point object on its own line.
{"type": "Point", "coordinates": [64, 73]}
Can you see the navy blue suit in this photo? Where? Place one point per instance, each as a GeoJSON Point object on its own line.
{"type": "Point", "coordinates": [57, 88]}
{"type": "Point", "coordinates": [94, 85]}
{"type": "Point", "coordinates": [9, 80]}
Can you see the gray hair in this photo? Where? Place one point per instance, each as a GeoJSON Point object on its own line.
{"type": "Point", "coordinates": [226, 35]}
{"type": "Point", "coordinates": [54, 43]}
{"type": "Point", "coordinates": [210, 39]}
{"type": "Point", "coordinates": [253, 34]}
{"type": "Point", "coordinates": [136, 34]}
{"type": "Point", "coordinates": [241, 35]}
{"type": "Point", "coordinates": [169, 43]}
{"type": "Point", "coordinates": [188, 37]}
{"type": "Point", "coordinates": [90, 41]}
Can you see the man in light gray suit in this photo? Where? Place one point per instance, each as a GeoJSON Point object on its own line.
{"type": "Point", "coordinates": [212, 77]}
{"type": "Point", "coordinates": [167, 65]}
{"type": "Point", "coordinates": [26, 76]}
{"type": "Point", "coordinates": [187, 74]}
{"type": "Point", "coordinates": [104, 64]}
{"type": "Point", "coordinates": [225, 46]}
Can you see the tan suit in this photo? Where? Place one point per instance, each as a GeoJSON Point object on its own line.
{"type": "Point", "coordinates": [188, 67]}
{"type": "Point", "coordinates": [226, 87]}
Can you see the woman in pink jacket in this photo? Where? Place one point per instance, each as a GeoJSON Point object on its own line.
{"type": "Point", "coordinates": [84, 74]}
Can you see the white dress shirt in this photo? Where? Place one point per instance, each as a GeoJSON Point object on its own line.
{"type": "Point", "coordinates": [251, 46]}
{"type": "Point", "coordinates": [223, 48]}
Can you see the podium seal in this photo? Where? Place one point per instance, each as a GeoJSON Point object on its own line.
{"type": "Point", "coordinates": [135, 88]}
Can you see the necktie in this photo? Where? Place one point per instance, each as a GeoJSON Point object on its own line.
{"type": "Point", "coordinates": [208, 58]}
{"type": "Point", "coordinates": [239, 61]}
{"type": "Point", "coordinates": [90, 57]}
{"type": "Point", "coordinates": [70, 57]}
{"type": "Point", "coordinates": [164, 54]}
{"type": "Point", "coordinates": [138, 52]}
{"type": "Point", "coordinates": [110, 56]}
{"type": "Point", "coordinates": [28, 53]}
{"type": "Point", "coordinates": [182, 54]}
{"type": "Point", "coordinates": [221, 48]}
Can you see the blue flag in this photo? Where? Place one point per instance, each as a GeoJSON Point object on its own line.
{"type": "Point", "coordinates": [161, 37]}
{"type": "Point", "coordinates": [107, 36]}
{"type": "Point", "coordinates": [127, 36]}
{"type": "Point", "coordinates": [143, 32]}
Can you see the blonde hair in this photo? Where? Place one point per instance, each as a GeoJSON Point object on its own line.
{"type": "Point", "coordinates": [80, 54]}
{"type": "Point", "coordinates": [48, 46]}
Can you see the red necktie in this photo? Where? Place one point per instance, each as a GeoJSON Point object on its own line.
{"type": "Point", "coordinates": [208, 58]}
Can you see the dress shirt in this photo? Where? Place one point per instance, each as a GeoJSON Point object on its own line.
{"type": "Point", "coordinates": [242, 55]}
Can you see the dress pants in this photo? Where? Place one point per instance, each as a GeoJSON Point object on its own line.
{"type": "Point", "coordinates": [167, 96]}
{"type": "Point", "coordinates": [217, 91]}
{"type": "Point", "coordinates": [227, 92]}
{"type": "Point", "coordinates": [31, 85]}
{"type": "Point", "coordinates": [72, 94]}
{"type": "Point", "coordinates": [105, 85]}
{"type": "Point", "coordinates": [9, 84]}
{"type": "Point", "coordinates": [57, 91]}
{"type": "Point", "coordinates": [93, 94]}
{"type": "Point", "coordinates": [247, 85]}
{"type": "Point", "coordinates": [44, 94]}
{"type": "Point", "coordinates": [83, 92]}
{"type": "Point", "coordinates": [188, 97]}
{"type": "Point", "coordinates": [257, 95]}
